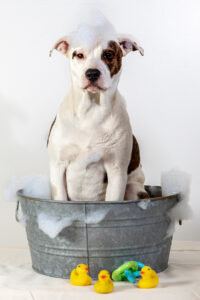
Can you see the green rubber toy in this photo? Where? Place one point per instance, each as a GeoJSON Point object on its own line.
{"type": "Point", "coordinates": [118, 274]}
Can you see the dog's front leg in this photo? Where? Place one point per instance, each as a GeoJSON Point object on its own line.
{"type": "Point", "coordinates": [58, 181]}
{"type": "Point", "coordinates": [117, 180]}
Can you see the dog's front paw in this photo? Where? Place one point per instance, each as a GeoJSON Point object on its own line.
{"type": "Point", "coordinates": [135, 192]}
{"type": "Point", "coordinates": [143, 195]}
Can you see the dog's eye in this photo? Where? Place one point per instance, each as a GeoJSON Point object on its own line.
{"type": "Point", "coordinates": [80, 55]}
{"type": "Point", "coordinates": [108, 55]}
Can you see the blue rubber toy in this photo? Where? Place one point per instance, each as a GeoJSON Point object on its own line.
{"type": "Point", "coordinates": [133, 275]}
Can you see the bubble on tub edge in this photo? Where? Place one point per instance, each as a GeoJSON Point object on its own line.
{"type": "Point", "coordinates": [52, 225]}
{"type": "Point", "coordinates": [36, 185]}
{"type": "Point", "coordinates": [174, 182]}
{"type": "Point", "coordinates": [96, 217]}
{"type": "Point", "coordinates": [144, 203]}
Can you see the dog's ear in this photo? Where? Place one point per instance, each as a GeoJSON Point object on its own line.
{"type": "Point", "coordinates": [128, 44]}
{"type": "Point", "coordinates": [61, 45]}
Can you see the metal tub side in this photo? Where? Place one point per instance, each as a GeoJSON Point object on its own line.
{"type": "Point", "coordinates": [125, 232]}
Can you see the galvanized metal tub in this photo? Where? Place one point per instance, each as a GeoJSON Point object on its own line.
{"type": "Point", "coordinates": [126, 232]}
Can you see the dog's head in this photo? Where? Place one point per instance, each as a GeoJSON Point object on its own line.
{"type": "Point", "coordinates": [95, 62]}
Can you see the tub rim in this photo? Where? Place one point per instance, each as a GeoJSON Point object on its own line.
{"type": "Point", "coordinates": [21, 195]}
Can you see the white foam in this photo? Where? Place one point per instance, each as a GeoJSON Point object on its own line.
{"type": "Point", "coordinates": [177, 182]}
{"type": "Point", "coordinates": [53, 225]}
{"type": "Point", "coordinates": [95, 30]}
{"type": "Point", "coordinates": [38, 186]}
{"type": "Point", "coordinates": [33, 185]}
{"type": "Point", "coordinates": [96, 217]}
{"type": "Point", "coordinates": [173, 182]}
{"type": "Point", "coordinates": [144, 203]}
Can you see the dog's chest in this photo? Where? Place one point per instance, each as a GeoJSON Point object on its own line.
{"type": "Point", "coordinates": [82, 149]}
{"type": "Point", "coordinates": [75, 140]}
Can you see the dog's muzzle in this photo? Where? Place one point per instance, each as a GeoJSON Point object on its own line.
{"type": "Point", "coordinates": [92, 74]}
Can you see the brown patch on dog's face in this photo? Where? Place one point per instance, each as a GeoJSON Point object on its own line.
{"type": "Point", "coordinates": [73, 54]}
{"type": "Point", "coordinates": [112, 56]}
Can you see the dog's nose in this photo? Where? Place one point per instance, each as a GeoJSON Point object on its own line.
{"type": "Point", "coordinates": [92, 74]}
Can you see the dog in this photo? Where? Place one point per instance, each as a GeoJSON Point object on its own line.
{"type": "Point", "coordinates": [93, 154]}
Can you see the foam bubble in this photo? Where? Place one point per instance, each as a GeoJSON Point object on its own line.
{"type": "Point", "coordinates": [177, 182]}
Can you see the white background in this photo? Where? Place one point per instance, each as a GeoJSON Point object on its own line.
{"type": "Point", "coordinates": [161, 89]}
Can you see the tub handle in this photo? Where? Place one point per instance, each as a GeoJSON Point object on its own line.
{"type": "Point", "coordinates": [180, 222]}
{"type": "Point", "coordinates": [17, 211]}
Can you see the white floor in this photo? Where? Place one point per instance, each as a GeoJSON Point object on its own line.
{"type": "Point", "coordinates": [180, 281]}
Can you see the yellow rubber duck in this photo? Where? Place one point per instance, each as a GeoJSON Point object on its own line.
{"type": "Point", "coordinates": [149, 278]}
{"type": "Point", "coordinates": [79, 276]}
{"type": "Point", "coordinates": [104, 285]}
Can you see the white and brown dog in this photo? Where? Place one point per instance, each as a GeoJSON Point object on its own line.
{"type": "Point", "coordinates": [93, 154]}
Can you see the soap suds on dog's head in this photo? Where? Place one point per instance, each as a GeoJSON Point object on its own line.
{"type": "Point", "coordinates": [89, 35]}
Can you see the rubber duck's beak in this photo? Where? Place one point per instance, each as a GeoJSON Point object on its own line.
{"type": "Point", "coordinates": [86, 269]}
{"type": "Point", "coordinates": [103, 276]}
